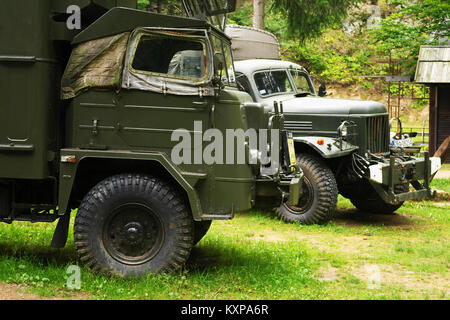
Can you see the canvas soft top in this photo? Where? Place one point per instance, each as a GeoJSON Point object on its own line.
{"type": "Point", "coordinates": [104, 63]}
{"type": "Point", "coordinates": [120, 20]}
{"type": "Point", "coordinates": [252, 43]}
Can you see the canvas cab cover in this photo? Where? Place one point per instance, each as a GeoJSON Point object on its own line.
{"type": "Point", "coordinates": [171, 56]}
{"type": "Point", "coordinates": [150, 59]}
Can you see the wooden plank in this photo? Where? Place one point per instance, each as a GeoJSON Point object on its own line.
{"type": "Point", "coordinates": [398, 78]}
{"type": "Point", "coordinates": [444, 150]}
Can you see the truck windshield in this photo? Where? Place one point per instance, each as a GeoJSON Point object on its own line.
{"type": "Point", "coordinates": [173, 57]}
{"type": "Point", "coordinates": [301, 82]}
{"type": "Point", "coordinates": [272, 82]}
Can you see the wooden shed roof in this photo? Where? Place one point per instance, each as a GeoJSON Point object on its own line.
{"type": "Point", "coordinates": [433, 65]}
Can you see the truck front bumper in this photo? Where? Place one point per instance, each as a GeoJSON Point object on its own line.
{"type": "Point", "coordinates": [385, 176]}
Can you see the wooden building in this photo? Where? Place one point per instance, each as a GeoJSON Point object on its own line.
{"type": "Point", "coordinates": [433, 70]}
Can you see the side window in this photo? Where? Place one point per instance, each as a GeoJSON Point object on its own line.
{"type": "Point", "coordinates": [301, 81]}
{"type": "Point", "coordinates": [228, 73]}
{"type": "Point", "coordinates": [243, 84]}
{"type": "Point", "coordinates": [171, 56]}
{"type": "Point", "coordinates": [229, 62]}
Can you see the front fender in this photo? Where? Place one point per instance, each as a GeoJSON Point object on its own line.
{"type": "Point", "coordinates": [68, 171]}
{"type": "Point", "coordinates": [327, 147]}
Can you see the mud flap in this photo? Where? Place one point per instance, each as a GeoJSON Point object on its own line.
{"type": "Point", "coordinates": [61, 232]}
{"type": "Point", "coordinates": [5, 201]}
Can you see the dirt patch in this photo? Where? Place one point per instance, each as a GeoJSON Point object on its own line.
{"type": "Point", "coordinates": [15, 292]}
{"type": "Point", "coordinates": [377, 276]}
{"type": "Point", "coordinates": [396, 275]}
{"type": "Point", "coordinates": [327, 273]}
{"type": "Point", "coordinates": [271, 236]}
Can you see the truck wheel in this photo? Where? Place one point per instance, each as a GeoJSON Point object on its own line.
{"type": "Point", "coordinates": [319, 193]}
{"type": "Point", "coordinates": [131, 225]}
{"type": "Point", "coordinates": [200, 230]}
{"type": "Point", "coordinates": [372, 202]}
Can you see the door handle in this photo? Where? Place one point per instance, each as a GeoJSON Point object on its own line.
{"type": "Point", "coordinates": [200, 103]}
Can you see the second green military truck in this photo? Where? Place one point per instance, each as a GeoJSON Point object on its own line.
{"type": "Point", "coordinates": [343, 146]}
{"type": "Point", "coordinates": [111, 111]}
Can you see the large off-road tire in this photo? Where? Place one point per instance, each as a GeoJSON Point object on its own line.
{"type": "Point", "coordinates": [319, 193]}
{"type": "Point", "coordinates": [200, 230]}
{"type": "Point", "coordinates": [132, 225]}
{"type": "Point", "coordinates": [371, 202]}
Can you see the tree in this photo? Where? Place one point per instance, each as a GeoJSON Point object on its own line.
{"type": "Point", "coordinates": [412, 24]}
{"type": "Point", "coordinates": [307, 19]}
{"type": "Point", "coordinates": [258, 13]}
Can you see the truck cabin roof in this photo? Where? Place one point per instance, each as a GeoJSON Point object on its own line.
{"type": "Point", "coordinates": [119, 20]}
{"type": "Point", "coordinates": [250, 66]}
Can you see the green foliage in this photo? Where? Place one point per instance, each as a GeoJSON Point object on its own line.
{"type": "Point", "coordinates": [412, 24]}
{"type": "Point", "coordinates": [441, 184]}
{"type": "Point", "coordinates": [335, 57]}
{"type": "Point", "coordinates": [308, 19]}
{"type": "Point", "coordinates": [275, 22]}
{"type": "Point", "coordinates": [242, 16]}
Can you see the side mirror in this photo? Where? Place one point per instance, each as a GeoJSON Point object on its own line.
{"type": "Point", "coordinates": [322, 90]}
{"type": "Point", "coordinates": [219, 61]}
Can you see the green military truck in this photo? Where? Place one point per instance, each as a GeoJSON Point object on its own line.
{"type": "Point", "coordinates": [88, 117]}
{"type": "Point", "coordinates": [343, 146]}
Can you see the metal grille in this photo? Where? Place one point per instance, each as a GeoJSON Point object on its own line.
{"type": "Point", "coordinates": [377, 134]}
{"type": "Point", "coordinates": [298, 125]}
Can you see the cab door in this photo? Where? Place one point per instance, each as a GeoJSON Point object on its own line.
{"type": "Point", "coordinates": [166, 87]}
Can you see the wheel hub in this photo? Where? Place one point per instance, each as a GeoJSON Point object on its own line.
{"type": "Point", "coordinates": [133, 234]}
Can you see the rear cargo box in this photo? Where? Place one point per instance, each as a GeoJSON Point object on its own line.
{"type": "Point", "coordinates": [35, 43]}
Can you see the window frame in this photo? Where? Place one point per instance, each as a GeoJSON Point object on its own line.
{"type": "Point", "coordinates": [164, 34]}
{"type": "Point", "coordinates": [226, 67]}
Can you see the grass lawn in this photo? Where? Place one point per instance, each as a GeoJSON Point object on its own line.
{"type": "Point", "coordinates": [441, 184]}
{"type": "Point", "coordinates": [256, 256]}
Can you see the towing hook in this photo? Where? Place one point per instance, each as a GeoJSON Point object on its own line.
{"type": "Point", "coordinates": [295, 168]}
